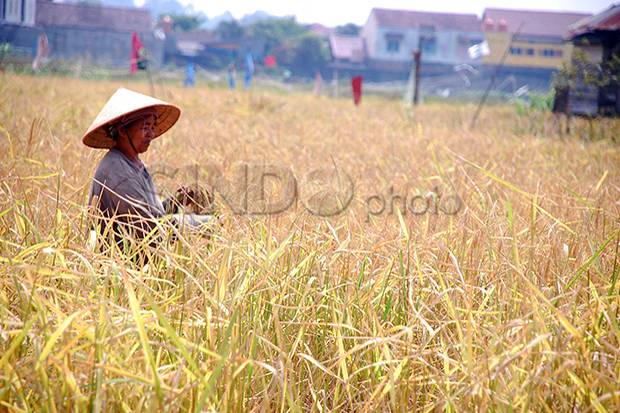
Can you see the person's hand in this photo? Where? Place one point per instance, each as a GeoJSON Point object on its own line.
{"type": "Point", "coordinates": [185, 195]}
{"type": "Point", "coordinates": [199, 199]}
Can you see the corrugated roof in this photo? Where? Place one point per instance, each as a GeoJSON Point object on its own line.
{"type": "Point", "coordinates": [200, 36]}
{"type": "Point", "coordinates": [607, 20]}
{"type": "Point", "coordinates": [347, 47]}
{"type": "Point", "coordinates": [83, 16]}
{"type": "Point", "coordinates": [537, 23]}
{"type": "Point", "coordinates": [440, 21]}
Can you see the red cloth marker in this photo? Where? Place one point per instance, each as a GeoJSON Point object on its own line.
{"type": "Point", "coordinates": [136, 46]}
{"type": "Point", "coordinates": [270, 61]}
{"type": "Point", "coordinates": [356, 85]}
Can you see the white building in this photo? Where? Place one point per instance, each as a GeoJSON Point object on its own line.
{"type": "Point", "coordinates": [392, 35]}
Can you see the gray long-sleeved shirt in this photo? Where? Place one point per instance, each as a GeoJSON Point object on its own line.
{"type": "Point", "coordinates": [124, 188]}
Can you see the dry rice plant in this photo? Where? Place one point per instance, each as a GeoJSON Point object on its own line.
{"type": "Point", "coordinates": [509, 304]}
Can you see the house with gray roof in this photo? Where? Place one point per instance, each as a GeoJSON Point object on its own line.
{"type": "Point", "coordinates": [100, 35]}
{"type": "Point", "coordinates": [94, 33]}
{"type": "Point", "coordinates": [443, 38]}
{"type": "Point", "coordinates": [384, 48]}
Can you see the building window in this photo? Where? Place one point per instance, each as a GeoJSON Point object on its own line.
{"type": "Point", "coordinates": [393, 45]}
{"type": "Point", "coordinates": [393, 41]}
{"type": "Point", "coordinates": [13, 10]}
{"type": "Point", "coordinates": [529, 51]}
{"type": "Point", "coordinates": [550, 53]}
{"type": "Point", "coordinates": [428, 44]}
{"type": "Point", "coordinates": [428, 40]}
{"type": "Point", "coordinates": [30, 7]}
{"type": "Point", "coordinates": [2, 6]}
{"type": "Point", "coordinates": [516, 51]}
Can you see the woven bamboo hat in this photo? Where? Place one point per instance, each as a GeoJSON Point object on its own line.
{"type": "Point", "coordinates": [124, 106]}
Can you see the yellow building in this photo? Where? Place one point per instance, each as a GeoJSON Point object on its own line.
{"type": "Point", "coordinates": [531, 39]}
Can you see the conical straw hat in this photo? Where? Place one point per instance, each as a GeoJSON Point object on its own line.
{"type": "Point", "coordinates": [121, 106]}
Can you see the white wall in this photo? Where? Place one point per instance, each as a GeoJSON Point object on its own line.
{"type": "Point", "coordinates": [449, 50]}
{"type": "Point", "coordinates": [369, 32]}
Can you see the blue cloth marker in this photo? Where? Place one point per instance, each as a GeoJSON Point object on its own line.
{"type": "Point", "coordinates": [190, 75]}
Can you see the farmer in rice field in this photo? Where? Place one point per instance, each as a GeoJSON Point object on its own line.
{"type": "Point", "coordinates": [122, 188]}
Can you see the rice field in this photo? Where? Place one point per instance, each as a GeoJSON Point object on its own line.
{"type": "Point", "coordinates": [468, 269]}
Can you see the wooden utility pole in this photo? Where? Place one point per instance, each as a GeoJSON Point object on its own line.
{"type": "Point", "coordinates": [145, 59]}
{"type": "Point", "coordinates": [495, 73]}
{"type": "Point", "coordinates": [417, 59]}
{"type": "Point", "coordinates": [148, 72]}
{"type": "Point", "coordinates": [335, 82]}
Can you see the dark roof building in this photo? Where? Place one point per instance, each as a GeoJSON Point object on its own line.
{"type": "Point", "coordinates": [606, 21]}
{"type": "Point", "coordinates": [83, 16]}
{"type": "Point", "coordinates": [78, 31]}
{"type": "Point", "coordinates": [203, 47]}
{"type": "Point", "coordinates": [598, 39]}
{"type": "Point", "coordinates": [96, 34]}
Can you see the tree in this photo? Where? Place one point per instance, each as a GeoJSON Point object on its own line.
{"type": "Point", "coordinates": [274, 32]}
{"type": "Point", "coordinates": [229, 30]}
{"type": "Point", "coordinates": [580, 70]}
{"type": "Point", "coordinates": [185, 22]}
{"type": "Point", "coordinates": [349, 29]}
{"type": "Point", "coordinates": [309, 53]}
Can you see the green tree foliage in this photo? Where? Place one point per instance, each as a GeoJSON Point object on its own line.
{"type": "Point", "coordinates": [185, 22]}
{"type": "Point", "coordinates": [229, 30]}
{"type": "Point", "coordinates": [273, 33]}
{"type": "Point", "coordinates": [304, 54]}
{"type": "Point", "coordinates": [349, 29]}
{"type": "Point", "coordinates": [581, 70]}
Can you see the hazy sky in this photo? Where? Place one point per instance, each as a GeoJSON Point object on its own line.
{"type": "Point", "coordinates": [334, 12]}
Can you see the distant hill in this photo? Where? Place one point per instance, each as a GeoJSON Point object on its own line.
{"type": "Point", "coordinates": [258, 15]}
{"type": "Point", "coordinates": [159, 7]}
